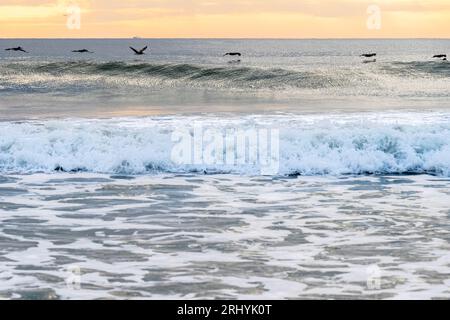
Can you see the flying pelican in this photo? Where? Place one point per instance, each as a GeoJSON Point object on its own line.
{"type": "Point", "coordinates": [441, 56]}
{"type": "Point", "coordinates": [139, 52]}
{"type": "Point", "coordinates": [83, 51]}
{"type": "Point", "coordinates": [368, 55]}
{"type": "Point", "coordinates": [233, 54]}
{"type": "Point", "coordinates": [16, 49]}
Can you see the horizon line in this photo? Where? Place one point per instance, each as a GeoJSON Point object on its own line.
{"type": "Point", "coordinates": [225, 38]}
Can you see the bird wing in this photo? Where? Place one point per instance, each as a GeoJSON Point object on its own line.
{"type": "Point", "coordinates": [134, 50]}
{"type": "Point", "coordinates": [143, 49]}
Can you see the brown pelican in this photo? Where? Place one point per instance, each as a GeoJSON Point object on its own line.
{"type": "Point", "coordinates": [139, 52]}
{"type": "Point", "coordinates": [16, 49]}
{"type": "Point", "coordinates": [441, 56]}
{"type": "Point", "coordinates": [83, 51]}
{"type": "Point", "coordinates": [233, 54]}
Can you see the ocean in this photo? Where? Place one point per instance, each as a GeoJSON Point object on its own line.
{"type": "Point", "coordinates": [298, 170]}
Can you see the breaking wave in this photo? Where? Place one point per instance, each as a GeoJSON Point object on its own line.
{"type": "Point", "coordinates": [307, 146]}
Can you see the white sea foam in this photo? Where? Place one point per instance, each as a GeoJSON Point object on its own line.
{"type": "Point", "coordinates": [224, 237]}
{"type": "Point", "coordinates": [309, 145]}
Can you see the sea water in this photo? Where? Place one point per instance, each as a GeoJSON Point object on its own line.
{"type": "Point", "coordinates": [93, 205]}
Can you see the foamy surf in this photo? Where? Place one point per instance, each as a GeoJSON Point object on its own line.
{"type": "Point", "coordinates": [371, 143]}
{"type": "Point", "coordinates": [91, 236]}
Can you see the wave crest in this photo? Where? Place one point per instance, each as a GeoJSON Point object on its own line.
{"type": "Point", "coordinates": [145, 146]}
{"type": "Point", "coordinates": [232, 75]}
{"type": "Point", "coordinates": [419, 68]}
{"type": "Point", "coordinates": [393, 78]}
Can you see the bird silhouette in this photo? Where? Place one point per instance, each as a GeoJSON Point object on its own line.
{"type": "Point", "coordinates": [82, 51]}
{"type": "Point", "coordinates": [441, 56]}
{"type": "Point", "coordinates": [16, 49]}
{"type": "Point", "coordinates": [139, 52]}
{"type": "Point", "coordinates": [233, 54]}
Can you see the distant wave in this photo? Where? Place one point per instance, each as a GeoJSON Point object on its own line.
{"type": "Point", "coordinates": [419, 68]}
{"type": "Point", "coordinates": [196, 71]}
{"type": "Point", "coordinates": [140, 146]}
{"type": "Point", "coordinates": [67, 76]}
{"type": "Point", "coordinates": [233, 76]}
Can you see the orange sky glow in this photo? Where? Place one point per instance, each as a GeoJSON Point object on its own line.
{"type": "Point", "coordinates": [225, 18]}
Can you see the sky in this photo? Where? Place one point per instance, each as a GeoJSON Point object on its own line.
{"type": "Point", "coordinates": [225, 18]}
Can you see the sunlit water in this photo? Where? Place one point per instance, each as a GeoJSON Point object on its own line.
{"type": "Point", "coordinates": [192, 76]}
